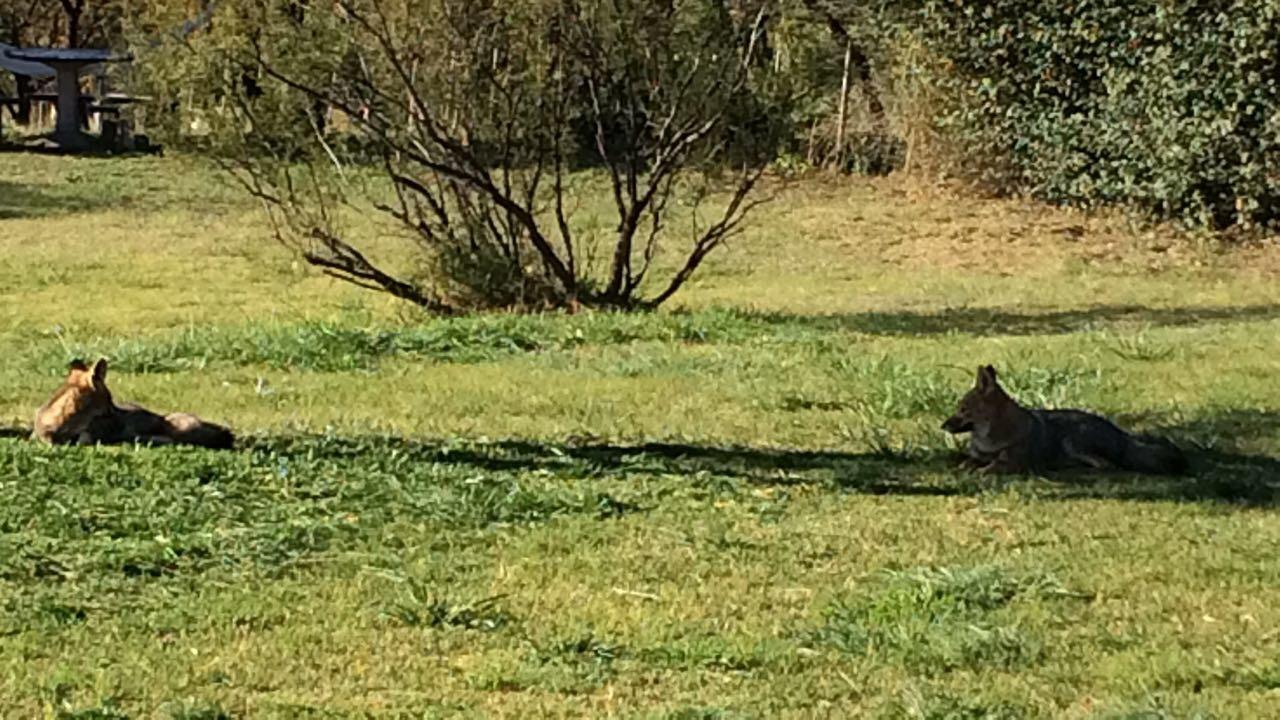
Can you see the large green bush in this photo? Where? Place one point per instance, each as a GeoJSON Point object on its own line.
{"type": "Point", "coordinates": [1169, 105]}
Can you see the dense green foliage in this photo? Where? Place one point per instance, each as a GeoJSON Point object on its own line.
{"type": "Point", "coordinates": [1170, 106]}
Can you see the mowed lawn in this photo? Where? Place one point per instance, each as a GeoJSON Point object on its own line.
{"type": "Point", "coordinates": [741, 506]}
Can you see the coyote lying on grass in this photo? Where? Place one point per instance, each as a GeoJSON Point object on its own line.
{"type": "Point", "coordinates": [82, 412]}
{"type": "Point", "coordinates": [1006, 437]}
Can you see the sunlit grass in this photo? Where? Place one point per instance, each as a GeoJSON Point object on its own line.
{"type": "Point", "coordinates": [741, 506]}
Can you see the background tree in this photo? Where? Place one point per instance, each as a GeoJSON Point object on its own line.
{"type": "Point", "coordinates": [856, 63]}
{"type": "Point", "coordinates": [479, 115]}
{"type": "Point", "coordinates": [25, 23]}
{"type": "Point", "coordinates": [475, 115]}
{"type": "Point", "coordinates": [94, 23]}
{"type": "Point", "coordinates": [59, 23]}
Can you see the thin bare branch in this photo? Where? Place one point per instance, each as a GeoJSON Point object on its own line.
{"type": "Point", "coordinates": [730, 221]}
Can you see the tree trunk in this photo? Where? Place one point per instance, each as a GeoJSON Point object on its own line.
{"type": "Point", "coordinates": [844, 108]}
{"type": "Point", "coordinates": [857, 58]}
{"type": "Point", "coordinates": [73, 12]}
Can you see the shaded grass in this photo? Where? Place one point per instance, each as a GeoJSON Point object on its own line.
{"type": "Point", "coordinates": [998, 321]}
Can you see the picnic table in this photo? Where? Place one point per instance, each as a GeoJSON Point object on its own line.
{"type": "Point", "coordinates": [67, 64]}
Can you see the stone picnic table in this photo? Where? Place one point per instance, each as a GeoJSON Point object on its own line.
{"type": "Point", "coordinates": [67, 64]}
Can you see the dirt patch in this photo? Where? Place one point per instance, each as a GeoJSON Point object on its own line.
{"type": "Point", "coordinates": [915, 224]}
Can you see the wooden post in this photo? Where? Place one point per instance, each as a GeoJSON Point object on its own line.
{"type": "Point", "coordinates": [844, 106]}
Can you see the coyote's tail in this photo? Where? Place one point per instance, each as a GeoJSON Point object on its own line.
{"type": "Point", "coordinates": [1154, 455]}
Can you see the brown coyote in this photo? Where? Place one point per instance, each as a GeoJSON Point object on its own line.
{"type": "Point", "coordinates": [1006, 437]}
{"type": "Point", "coordinates": [82, 412]}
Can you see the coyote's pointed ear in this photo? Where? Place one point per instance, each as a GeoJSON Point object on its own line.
{"type": "Point", "coordinates": [987, 378]}
{"type": "Point", "coordinates": [100, 374]}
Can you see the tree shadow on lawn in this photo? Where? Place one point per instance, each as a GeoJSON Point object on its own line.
{"type": "Point", "coordinates": [1217, 475]}
{"type": "Point", "coordinates": [999, 321]}
{"type": "Point", "coordinates": [32, 201]}
{"type": "Point", "coordinates": [1220, 471]}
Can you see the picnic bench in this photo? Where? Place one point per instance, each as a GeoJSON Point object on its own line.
{"type": "Point", "coordinates": [67, 65]}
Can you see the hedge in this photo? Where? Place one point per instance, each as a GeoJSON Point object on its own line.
{"type": "Point", "coordinates": [1169, 105]}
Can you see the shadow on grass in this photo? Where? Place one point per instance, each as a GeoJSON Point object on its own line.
{"type": "Point", "coordinates": [997, 321]}
{"type": "Point", "coordinates": [1229, 427]}
{"type": "Point", "coordinates": [13, 433]}
{"type": "Point", "coordinates": [1217, 475]}
{"type": "Point", "coordinates": [1223, 458]}
{"type": "Point", "coordinates": [19, 201]}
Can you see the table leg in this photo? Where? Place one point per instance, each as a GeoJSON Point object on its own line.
{"type": "Point", "coordinates": [67, 132]}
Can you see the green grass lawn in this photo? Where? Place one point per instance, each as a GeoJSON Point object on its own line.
{"type": "Point", "coordinates": [741, 506]}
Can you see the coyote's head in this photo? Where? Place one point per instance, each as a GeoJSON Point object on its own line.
{"type": "Point", "coordinates": [980, 404]}
{"type": "Point", "coordinates": [82, 399]}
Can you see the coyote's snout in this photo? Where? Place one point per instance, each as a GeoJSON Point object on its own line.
{"type": "Point", "coordinates": [82, 412]}
{"type": "Point", "coordinates": [956, 425]}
